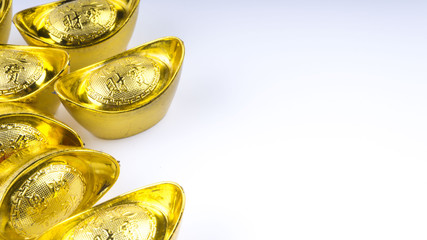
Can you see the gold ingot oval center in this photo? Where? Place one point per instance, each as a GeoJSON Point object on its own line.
{"type": "Point", "coordinates": [80, 21]}
{"type": "Point", "coordinates": [48, 196]}
{"type": "Point", "coordinates": [123, 81]}
{"type": "Point", "coordinates": [15, 136]}
{"type": "Point", "coordinates": [18, 71]}
{"type": "Point", "coordinates": [122, 222]}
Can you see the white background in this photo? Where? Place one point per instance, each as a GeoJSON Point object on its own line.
{"type": "Point", "coordinates": [293, 119]}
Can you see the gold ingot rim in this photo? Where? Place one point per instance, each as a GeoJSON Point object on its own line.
{"type": "Point", "coordinates": [55, 62]}
{"type": "Point", "coordinates": [169, 51]}
{"type": "Point", "coordinates": [92, 172]}
{"type": "Point", "coordinates": [18, 22]}
{"type": "Point", "coordinates": [168, 198]}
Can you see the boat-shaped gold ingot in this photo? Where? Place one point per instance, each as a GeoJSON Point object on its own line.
{"type": "Point", "coordinates": [23, 129]}
{"type": "Point", "coordinates": [28, 74]}
{"type": "Point", "coordinates": [5, 20]}
{"type": "Point", "coordinates": [126, 94]}
{"type": "Point", "coordinates": [89, 30]}
{"type": "Point", "coordinates": [42, 187]}
{"type": "Point", "coordinates": [150, 213]}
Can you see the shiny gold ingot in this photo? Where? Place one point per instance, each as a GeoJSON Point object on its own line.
{"type": "Point", "coordinates": [27, 75]}
{"type": "Point", "coordinates": [126, 94]}
{"type": "Point", "coordinates": [5, 20]}
{"type": "Point", "coordinates": [21, 129]}
{"type": "Point", "coordinates": [151, 213]}
{"type": "Point", "coordinates": [89, 30]}
{"type": "Point", "coordinates": [40, 187]}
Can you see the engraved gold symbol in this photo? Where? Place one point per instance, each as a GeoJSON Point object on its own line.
{"type": "Point", "coordinates": [124, 81]}
{"type": "Point", "coordinates": [80, 21]}
{"type": "Point", "coordinates": [18, 71]}
{"type": "Point", "coordinates": [116, 86]}
{"type": "Point", "coordinates": [12, 72]}
{"type": "Point", "coordinates": [72, 22]}
{"type": "Point", "coordinates": [48, 196]}
{"type": "Point", "coordinates": [122, 222]}
{"type": "Point", "coordinates": [15, 136]}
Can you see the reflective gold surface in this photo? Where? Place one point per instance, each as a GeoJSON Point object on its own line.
{"type": "Point", "coordinates": [89, 30]}
{"type": "Point", "coordinates": [22, 130]}
{"type": "Point", "coordinates": [27, 75]}
{"type": "Point", "coordinates": [5, 20]}
{"type": "Point", "coordinates": [150, 213]}
{"type": "Point", "coordinates": [126, 94]}
{"type": "Point", "coordinates": [41, 186]}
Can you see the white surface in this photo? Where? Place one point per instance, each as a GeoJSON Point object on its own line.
{"type": "Point", "coordinates": [293, 119]}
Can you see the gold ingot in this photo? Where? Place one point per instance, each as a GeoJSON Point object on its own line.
{"type": "Point", "coordinates": [20, 128]}
{"type": "Point", "coordinates": [5, 20]}
{"type": "Point", "coordinates": [42, 186]}
{"type": "Point", "coordinates": [126, 94]}
{"type": "Point", "coordinates": [151, 213]}
{"type": "Point", "coordinates": [28, 74]}
{"type": "Point", "coordinates": [89, 30]}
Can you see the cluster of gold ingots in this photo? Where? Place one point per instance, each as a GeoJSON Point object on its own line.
{"type": "Point", "coordinates": [48, 180]}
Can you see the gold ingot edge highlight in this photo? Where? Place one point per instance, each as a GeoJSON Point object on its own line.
{"type": "Point", "coordinates": [43, 186]}
{"type": "Point", "coordinates": [89, 31]}
{"type": "Point", "coordinates": [126, 94]}
{"type": "Point", "coordinates": [150, 213]}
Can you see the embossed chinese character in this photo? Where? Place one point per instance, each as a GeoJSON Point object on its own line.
{"type": "Point", "coordinates": [72, 22]}
{"type": "Point", "coordinates": [57, 185]}
{"type": "Point", "coordinates": [109, 237]}
{"type": "Point", "coordinates": [116, 86]}
{"type": "Point", "coordinates": [19, 142]}
{"type": "Point", "coordinates": [12, 72]}
{"type": "Point", "coordinates": [34, 200]}
{"type": "Point", "coordinates": [93, 15]}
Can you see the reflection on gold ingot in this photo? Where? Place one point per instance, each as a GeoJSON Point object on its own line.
{"type": "Point", "coordinates": [89, 30]}
{"type": "Point", "coordinates": [151, 213]}
{"type": "Point", "coordinates": [5, 20]}
{"type": "Point", "coordinates": [126, 94]}
{"type": "Point", "coordinates": [27, 75]}
{"type": "Point", "coordinates": [42, 186]}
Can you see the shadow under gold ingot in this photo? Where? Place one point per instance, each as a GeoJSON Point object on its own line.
{"type": "Point", "coordinates": [151, 213]}
{"type": "Point", "coordinates": [23, 129]}
{"type": "Point", "coordinates": [28, 74]}
{"type": "Point", "coordinates": [5, 20]}
{"type": "Point", "coordinates": [44, 186]}
{"type": "Point", "coordinates": [126, 94]}
{"type": "Point", "coordinates": [89, 30]}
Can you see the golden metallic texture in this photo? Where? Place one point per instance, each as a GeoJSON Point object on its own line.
{"type": "Point", "coordinates": [27, 75]}
{"type": "Point", "coordinates": [150, 213]}
{"type": "Point", "coordinates": [89, 30]}
{"type": "Point", "coordinates": [125, 94]}
{"type": "Point", "coordinates": [42, 186]}
{"type": "Point", "coordinates": [22, 130]}
{"type": "Point", "coordinates": [5, 20]}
